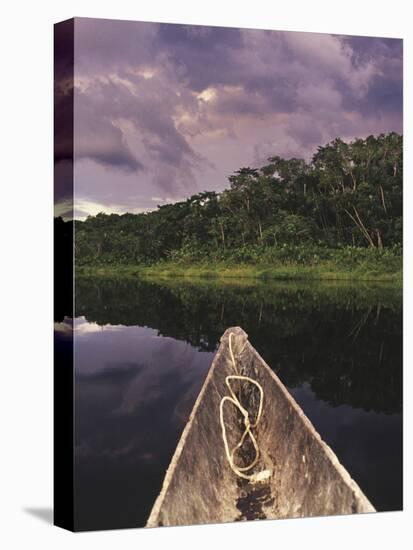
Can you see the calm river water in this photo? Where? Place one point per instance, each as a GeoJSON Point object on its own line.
{"type": "Point", "coordinates": [143, 349]}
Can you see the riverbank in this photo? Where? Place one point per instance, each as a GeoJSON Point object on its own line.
{"type": "Point", "coordinates": [323, 272]}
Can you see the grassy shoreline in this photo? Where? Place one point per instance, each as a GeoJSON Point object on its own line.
{"type": "Point", "coordinates": [321, 272]}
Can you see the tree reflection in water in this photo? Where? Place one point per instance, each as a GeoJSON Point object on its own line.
{"type": "Point", "coordinates": [143, 349]}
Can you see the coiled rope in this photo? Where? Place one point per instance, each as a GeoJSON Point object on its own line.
{"type": "Point", "coordinates": [241, 470]}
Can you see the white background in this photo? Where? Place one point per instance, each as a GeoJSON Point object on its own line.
{"type": "Point", "coordinates": [26, 271]}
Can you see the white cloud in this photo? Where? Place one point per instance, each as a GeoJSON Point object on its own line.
{"type": "Point", "coordinates": [84, 208]}
{"type": "Point", "coordinates": [64, 209]}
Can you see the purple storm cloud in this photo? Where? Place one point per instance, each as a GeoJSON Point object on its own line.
{"type": "Point", "coordinates": [163, 111]}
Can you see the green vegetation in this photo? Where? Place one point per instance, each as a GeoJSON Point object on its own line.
{"type": "Point", "coordinates": [339, 216]}
{"type": "Point", "coordinates": [286, 262]}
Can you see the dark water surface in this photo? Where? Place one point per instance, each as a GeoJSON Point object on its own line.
{"type": "Point", "coordinates": [143, 349]}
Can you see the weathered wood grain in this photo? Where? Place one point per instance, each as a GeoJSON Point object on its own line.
{"type": "Point", "coordinates": [306, 477]}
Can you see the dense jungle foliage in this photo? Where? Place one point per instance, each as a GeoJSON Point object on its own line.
{"type": "Point", "coordinates": [347, 199]}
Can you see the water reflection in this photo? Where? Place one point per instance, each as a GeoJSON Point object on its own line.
{"type": "Point", "coordinates": [143, 349]}
{"type": "Point", "coordinates": [133, 390]}
{"type": "Point", "coordinates": [345, 341]}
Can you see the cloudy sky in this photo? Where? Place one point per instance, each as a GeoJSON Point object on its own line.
{"type": "Point", "coordinates": [165, 111]}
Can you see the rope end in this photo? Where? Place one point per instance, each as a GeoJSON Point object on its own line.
{"type": "Point", "coordinates": [261, 476]}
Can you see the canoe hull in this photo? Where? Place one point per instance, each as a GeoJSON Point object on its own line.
{"type": "Point", "coordinates": [306, 477]}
